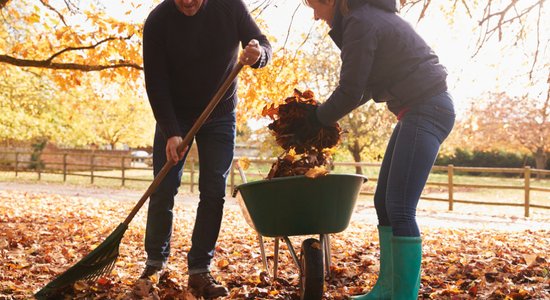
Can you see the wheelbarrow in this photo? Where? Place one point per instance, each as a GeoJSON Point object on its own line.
{"type": "Point", "coordinates": [298, 205]}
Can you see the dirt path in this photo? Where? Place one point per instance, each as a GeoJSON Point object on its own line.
{"type": "Point", "coordinates": [429, 214]}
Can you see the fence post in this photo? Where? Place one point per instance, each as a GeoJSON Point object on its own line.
{"type": "Point", "coordinates": [192, 175]}
{"type": "Point", "coordinates": [122, 170]}
{"type": "Point", "coordinates": [16, 162]}
{"type": "Point", "coordinates": [92, 158]}
{"type": "Point", "coordinates": [64, 167]}
{"type": "Point", "coordinates": [527, 178]}
{"type": "Point", "coordinates": [450, 174]}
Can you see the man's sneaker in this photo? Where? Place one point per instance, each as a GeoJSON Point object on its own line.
{"type": "Point", "coordinates": [204, 285]}
{"type": "Point", "coordinates": [151, 272]}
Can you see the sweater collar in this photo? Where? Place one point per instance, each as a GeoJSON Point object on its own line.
{"type": "Point", "coordinates": [336, 29]}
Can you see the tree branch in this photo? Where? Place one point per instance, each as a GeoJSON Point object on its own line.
{"type": "Point", "coordinates": [60, 15]}
{"type": "Point", "coordinates": [47, 64]}
{"type": "Point", "coordinates": [424, 9]}
{"type": "Point", "coordinates": [535, 59]}
{"type": "Point", "coordinates": [260, 8]}
{"type": "Point", "coordinates": [467, 8]}
{"type": "Point", "coordinates": [3, 3]}
{"type": "Point", "coordinates": [502, 15]}
{"type": "Point", "coordinates": [86, 47]}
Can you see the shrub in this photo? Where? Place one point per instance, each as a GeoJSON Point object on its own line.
{"type": "Point", "coordinates": [489, 159]}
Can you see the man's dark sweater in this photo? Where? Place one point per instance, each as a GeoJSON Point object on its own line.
{"type": "Point", "coordinates": [186, 58]}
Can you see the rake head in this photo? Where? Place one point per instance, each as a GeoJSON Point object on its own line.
{"type": "Point", "coordinates": [97, 263]}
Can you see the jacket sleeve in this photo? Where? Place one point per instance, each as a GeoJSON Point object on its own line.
{"type": "Point", "coordinates": [248, 30]}
{"type": "Point", "coordinates": [157, 81]}
{"type": "Point", "coordinates": [359, 44]}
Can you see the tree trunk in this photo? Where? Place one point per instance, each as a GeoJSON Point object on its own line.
{"type": "Point", "coordinates": [3, 3]}
{"type": "Point", "coordinates": [540, 161]}
{"type": "Point", "coordinates": [355, 150]}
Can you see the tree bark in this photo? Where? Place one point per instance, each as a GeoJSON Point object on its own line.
{"type": "Point", "coordinates": [540, 161]}
{"type": "Point", "coordinates": [3, 3]}
{"type": "Point", "coordinates": [46, 64]}
{"type": "Point", "coordinates": [355, 150]}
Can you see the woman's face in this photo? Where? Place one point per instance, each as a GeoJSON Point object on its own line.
{"type": "Point", "coordinates": [323, 10]}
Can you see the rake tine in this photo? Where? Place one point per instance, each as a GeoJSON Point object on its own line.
{"type": "Point", "coordinates": [103, 271]}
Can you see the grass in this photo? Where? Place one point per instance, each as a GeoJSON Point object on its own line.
{"type": "Point", "coordinates": [140, 179]}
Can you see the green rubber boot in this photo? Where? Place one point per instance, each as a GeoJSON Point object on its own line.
{"type": "Point", "coordinates": [407, 256]}
{"type": "Point", "coordinates": [382, 287]}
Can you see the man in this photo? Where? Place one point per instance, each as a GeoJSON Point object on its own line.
{"type": "Point", "coordinates": [189, 48]}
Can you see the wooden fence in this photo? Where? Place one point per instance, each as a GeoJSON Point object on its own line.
{"type": "Point", "coordinates": [18, 162]}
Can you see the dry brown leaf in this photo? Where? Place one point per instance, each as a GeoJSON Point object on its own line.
{"type": "Point", "coordinates": [316, 172]}
{"type": "Point", "coordinates": [457, 264]}
{"type": "Point", "coordinates": [244, 163]}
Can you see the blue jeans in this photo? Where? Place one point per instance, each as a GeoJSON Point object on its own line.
{"type": "Point", "coordinates": [215, 143]}
{"type": "Point", "coordinates": [409, 157]}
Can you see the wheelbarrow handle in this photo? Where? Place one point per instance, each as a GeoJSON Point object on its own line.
{"type": "Point", "coordinates": [186, 140]}
{"type": "Point", "coordinates": [243, 178]}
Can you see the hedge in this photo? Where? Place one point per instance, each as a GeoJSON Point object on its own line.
{"type": "Point", "coordinates": [489, 159]}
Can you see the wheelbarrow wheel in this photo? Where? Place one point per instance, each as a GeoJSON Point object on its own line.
{"type": "Point", "coordinates": [311, 270]}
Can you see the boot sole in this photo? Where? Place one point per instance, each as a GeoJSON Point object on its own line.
{"type": "Point", "coordinates": [200, 295]}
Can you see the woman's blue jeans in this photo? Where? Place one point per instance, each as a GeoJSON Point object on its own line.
{"type": "Point", "coordinates": [215, 143]}
{"type": "Point", "coordinates": [409, 157]}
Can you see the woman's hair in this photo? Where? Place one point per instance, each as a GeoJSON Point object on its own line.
{"type": "Point", "coordinates": [344, 7]}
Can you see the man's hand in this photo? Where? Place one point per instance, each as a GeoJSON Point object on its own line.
{"type": "Point", "coordinates": [251, 53]}
{"type": "Point", "coordinates": [172, 149]}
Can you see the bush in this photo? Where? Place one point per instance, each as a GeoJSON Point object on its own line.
{"type": "Point", "coordinates": [488, 159]}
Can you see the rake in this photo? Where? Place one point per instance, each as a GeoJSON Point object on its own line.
{"type": "Point", "coordinates": [102, 259]}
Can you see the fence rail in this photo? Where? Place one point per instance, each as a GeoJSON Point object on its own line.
{"type": "Point", "coordinates": [90, 165]}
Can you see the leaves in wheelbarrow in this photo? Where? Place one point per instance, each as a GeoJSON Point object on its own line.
{"type": "Point", "coordinates": [289, 120]}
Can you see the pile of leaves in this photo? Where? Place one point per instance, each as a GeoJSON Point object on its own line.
{"type": "Point", "coordinates": [43, 234]}
{"type": "Point", "coordinates": [306, 146]}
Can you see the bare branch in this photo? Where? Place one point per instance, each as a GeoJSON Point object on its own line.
{"type": "Point", "coordinates": [290, 24]}
{"type": "Point", "coordinates": [538, 45]}
{"type": "Point", "coordinates": [86, 47]}
{"type": "Point", "coordinates": [60, 15]}
{"type": "Point", "coordinates": [424, 9]}
{"type": "Point", "coordinates": [71, 6]}
{"type": "Point", "coordinates": [47, 64]}
{"type": "Point", "coordinates": [502, 15]}
{"type": "Point", "coordinates": [260, 8]}
{"type": "Point", "coordinates": [408, 5]}
{"type": "Point", "coordinates": [303, 42]}
{"type": "Point", "coordinates": [467, 8]}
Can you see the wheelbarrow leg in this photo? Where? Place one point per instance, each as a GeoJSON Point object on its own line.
{"type": "Point", "coordinates": [276, 258]}
{"type": "Point", "coordinates": [262, 251]}
{"type": "Point", "coordinates": [325, 242]}
{"type": "Point", "coordinates": [292, 252]}
{"type": "Point", "coordinates": [276, 254]}
{"type": "Point", "coordinates": [260, 238]}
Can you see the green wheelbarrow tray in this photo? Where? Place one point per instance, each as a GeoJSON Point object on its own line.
{"type": "Point", "coordinates": [298, 205]}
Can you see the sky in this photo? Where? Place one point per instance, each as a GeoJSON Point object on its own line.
{"type": "Point", "coordinates": [490, 70]}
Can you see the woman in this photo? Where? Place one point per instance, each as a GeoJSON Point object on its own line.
{"type": "Point", "coordinates": [384, 59]}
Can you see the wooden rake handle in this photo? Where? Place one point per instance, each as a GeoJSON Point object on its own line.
{"type": "Point", "coordinates": [186, 140]}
